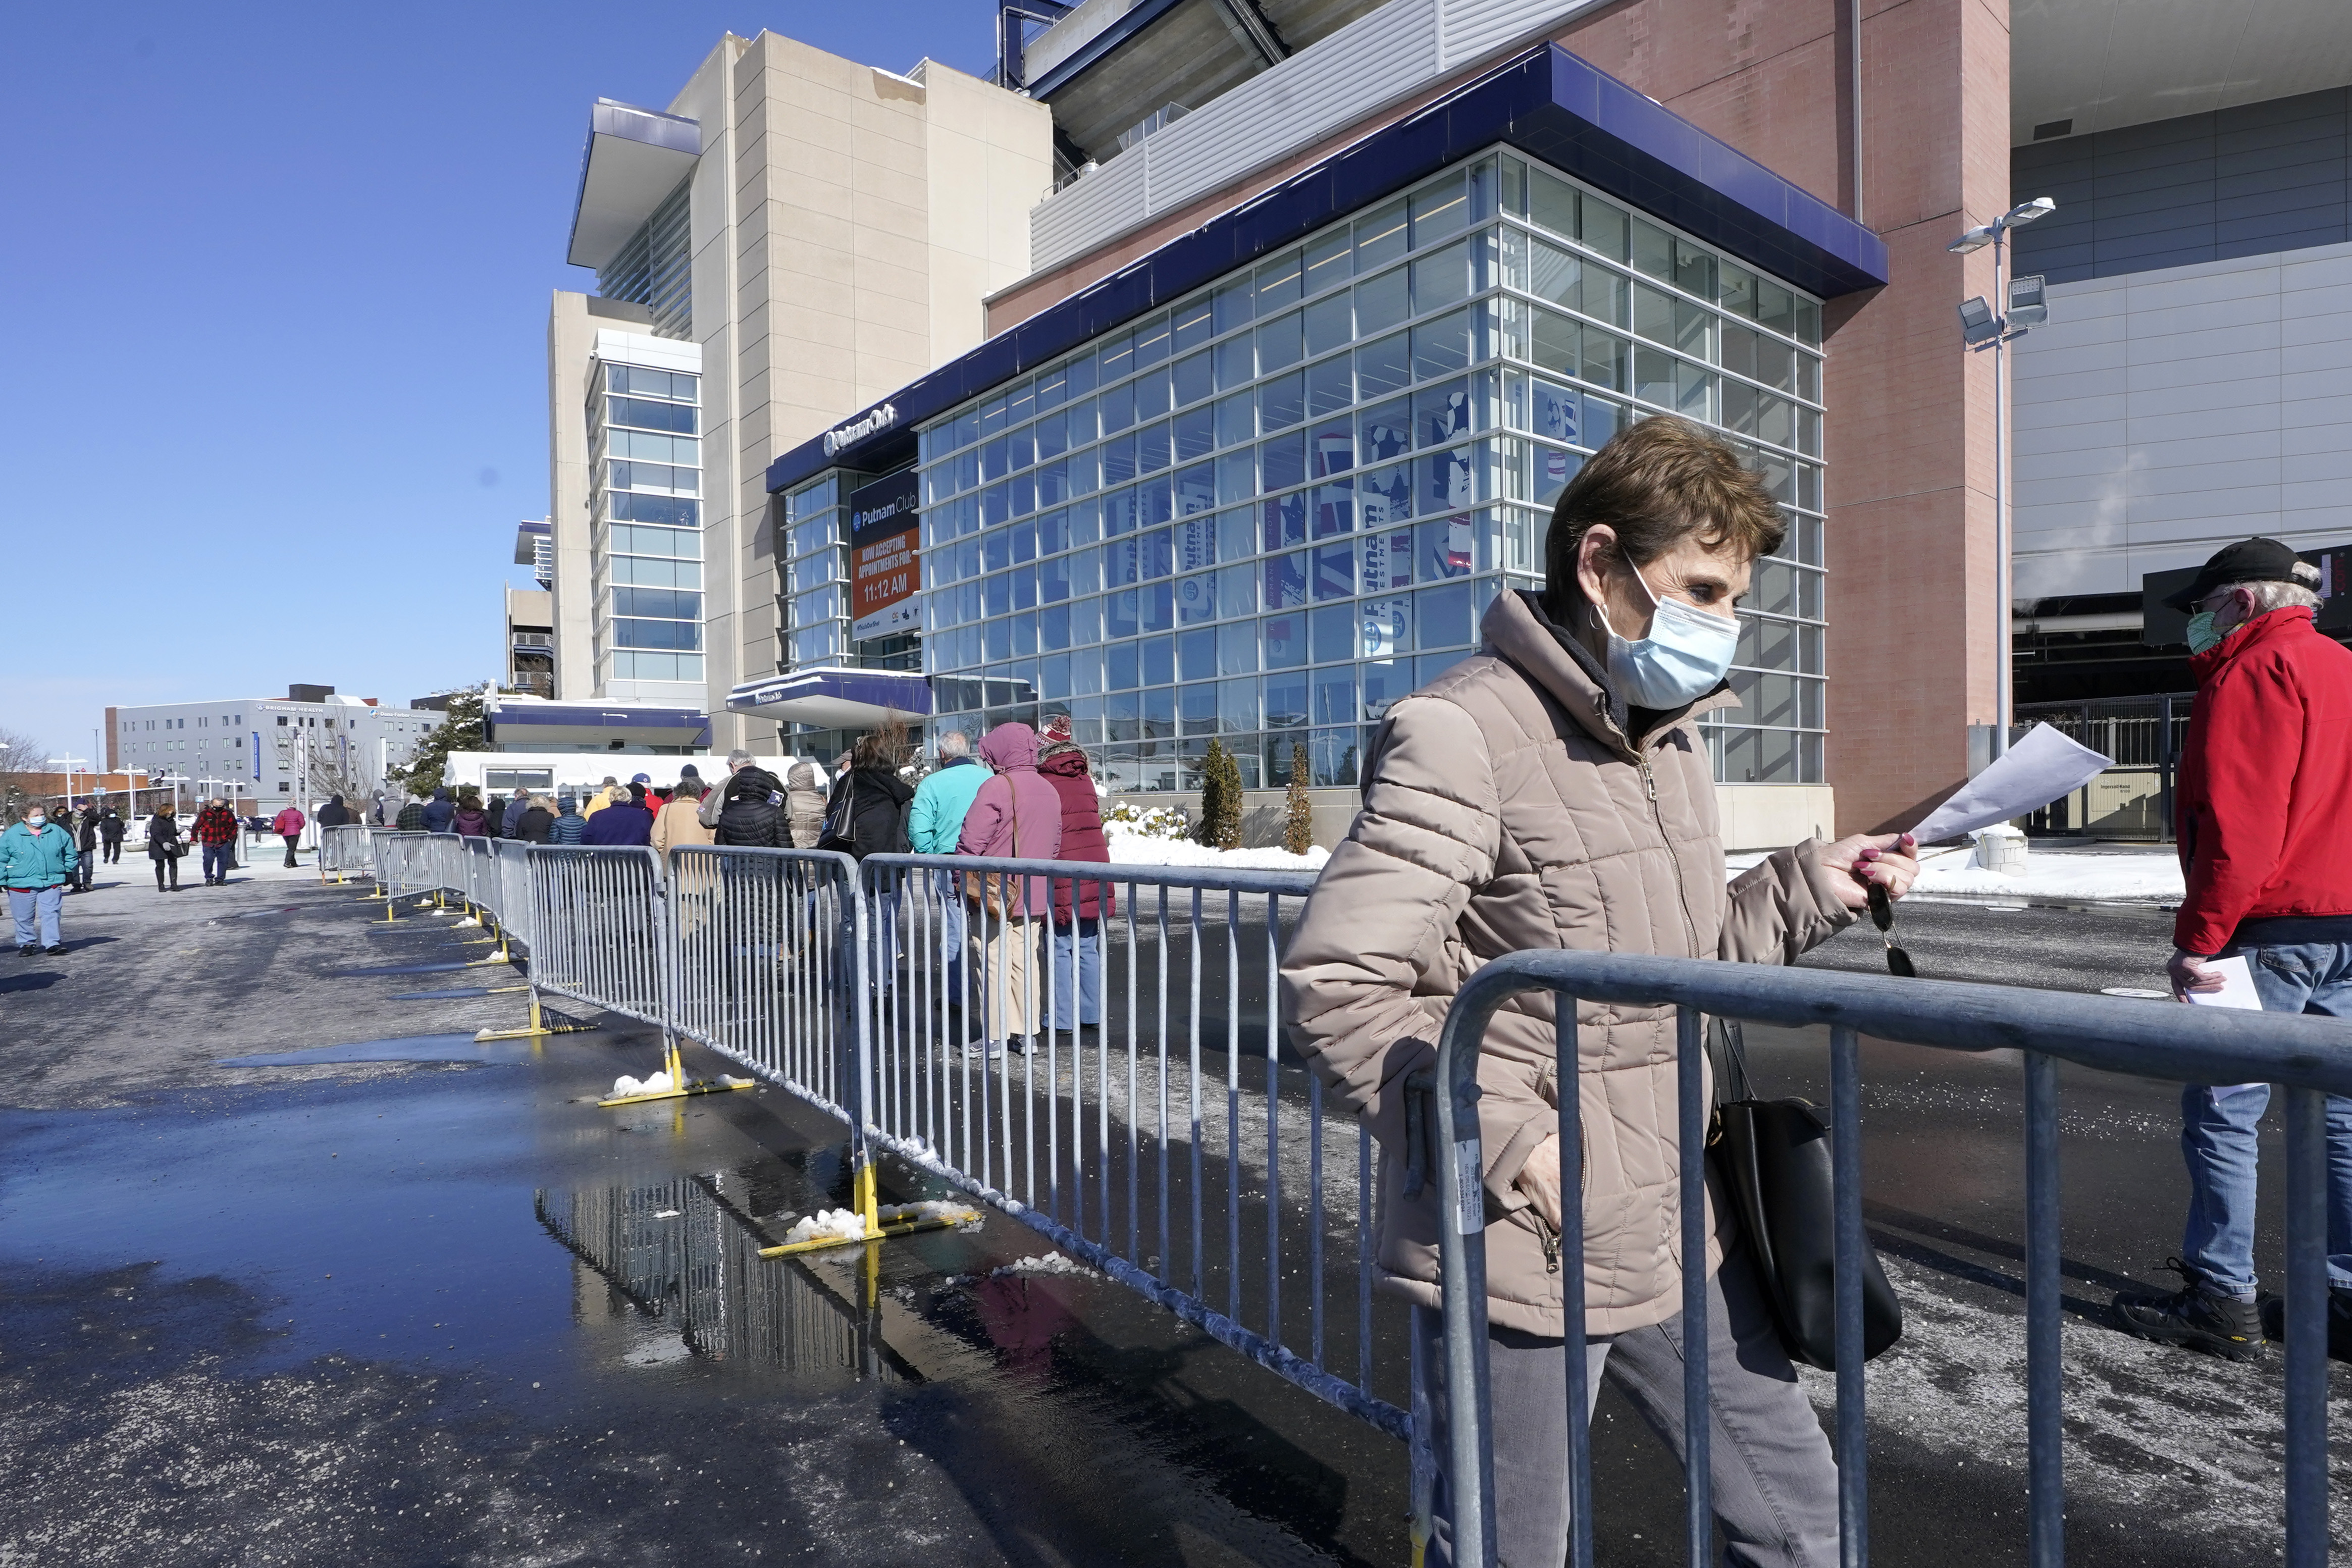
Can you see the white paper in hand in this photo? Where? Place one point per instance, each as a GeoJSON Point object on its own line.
{"type": "Point", "coordinates": [2039, 768]}
{"type": "Point", "coordinates": [2237, 986]}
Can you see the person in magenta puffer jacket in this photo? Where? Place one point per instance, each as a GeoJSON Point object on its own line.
{"type": "Point", "coordinates": [1017, 816]}
{"type": "Point", "coordinates": [1078, 932]}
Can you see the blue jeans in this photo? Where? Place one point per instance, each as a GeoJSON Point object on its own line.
{"type": "Point", "coordinates": [2217, 1127]}
{"type": "Point", "coordinates": [217, 861]}
{"type": "Point", "coordinates": [945, 916]}
{"type": "Point", "coordinates": [26, 904]}
{"type": "Point", "coordinates": [1077, 954]}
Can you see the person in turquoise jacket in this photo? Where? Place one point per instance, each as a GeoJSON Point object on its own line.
{"type": "Point", "coordinates": [37, 858]}
{"type": "Point", "coordinates": [934, 822]}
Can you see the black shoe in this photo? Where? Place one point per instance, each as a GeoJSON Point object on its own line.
{"type": "Point", "coordinates": [2339, 1322]}
{"type": "Point", "coordinates": [28, 950]}
{"type": "Point", "coordinates": [57, 951]}
{"type": "Point", "coordinates": [2197, 1316]}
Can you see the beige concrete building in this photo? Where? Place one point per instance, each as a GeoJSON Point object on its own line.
{"type": "Point", "coordinates": [795, 234]}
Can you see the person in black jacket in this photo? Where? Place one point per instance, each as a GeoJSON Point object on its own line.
{"type": "Point", "coordinates": [335, 814]}
{"type": "Point", "coordinates": [86, 839]}
{"type": "Point", "coordinates": [867, 814]}
{"type": "Point", "coordinates": [752, 815]}
{"type": "Point", "coordinates": [111, 828]}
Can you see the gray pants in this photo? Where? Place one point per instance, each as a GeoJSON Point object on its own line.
{"type": "Point", "coordinates": [1775, 1479]}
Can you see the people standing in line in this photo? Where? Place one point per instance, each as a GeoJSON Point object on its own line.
{"type": "Point", "coordinates": [85, 830]}
{"type": "Point", "coordinates": [334, 814]}
{"type": "Point", "coordinates": [626, 821]}
{"type": "Point", "coordinates": [867, 816]}
{"type": "Point", "coordinates": [410, 817]}
{"type": "Point", "coordinates": [287, 825]}
{"type": "Point", "coordinates": [934, 823]}
{"type": "Point", "coordinates": [569, 824]}
{"type": "Point", "coordinates": [754, 815]}
{"type": "Point", "coordinates": [111, 830]}
{"type": "Point", "coordinates": [164, 845]}
{"type": "Point", "coordinates": [1077, 927]}
{"type": "Point", "coordinates": [511, 819]}
{"type": "Point", "coordinates": [36, 860]}
{"type": "Point", "coordinates": [680, 821]}
{"type": "Point", "coordinates": [606, 793]}
{"type": "Point", "coordinates": [440, 810]}
{"type": "Point", "coordinates": [1555, 791]}
{"type": "Point", "coordinates": [715, 802]}
{"type": "Point", "coordinates": [214, 830]}
{"type": "Point", "coordinates": [805, 804]}
{"type": "Point", "coordinates": [538, 817]}
{"type": "Point", "coordinates": [470, 820]}
{"type": "Point", "coordinates": [1015, 815]}
{"type": "Point", "coordinates": [2264, 807]}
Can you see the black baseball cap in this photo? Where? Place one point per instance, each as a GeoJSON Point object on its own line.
{"type": "Point", "coordinates": [2248, 560]}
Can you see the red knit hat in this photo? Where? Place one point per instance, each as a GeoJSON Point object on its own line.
{"type": "Point", "coordinates": [1058, 727]}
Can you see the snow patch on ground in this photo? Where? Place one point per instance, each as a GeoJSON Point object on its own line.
{"type": "Point", "coordinates": [2050, 874]}
{"type": "Point", "coordinates": [657, 1083]}
{"type": "Point", "coordinates": [1137, 850]}
{"type": "Point", "coordinates": [829, 1225]}
{"type": "Point", "coordinates": [963, 1216]}
{"type": "Point", "coordinates": [1051, 1263]}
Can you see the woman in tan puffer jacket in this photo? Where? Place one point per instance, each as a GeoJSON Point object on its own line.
{"type": "Point", "coordinates": [1528, 799]}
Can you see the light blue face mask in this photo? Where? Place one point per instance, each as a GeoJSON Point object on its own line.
{"type": "Point", "coordinates": [2202, 635]}
{"type": "Point", "coordinates": [1682, 658]}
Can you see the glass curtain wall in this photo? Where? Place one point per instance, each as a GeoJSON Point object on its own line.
{"type": "Point", "coordinates": [644, 454]}
{"type": "Point", "coordinates": [814, 607]}
{"type": "Point", "coordinates": [1267, 513]}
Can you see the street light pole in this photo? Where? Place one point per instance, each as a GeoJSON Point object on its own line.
{"type": "Point", "coordinates": [1983, 325]}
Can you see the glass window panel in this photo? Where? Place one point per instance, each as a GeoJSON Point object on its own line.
{"type": "Point", "coordinates": [1195, 432]}
{"type": "Point", "coordinates": [1233, 306]}
{"type": "Point", "coordinates": [1159, 661]}
{"type": "Point", "coordinates": [1450, 478]}
{"type": "Point", "coordinates": [1278, 283]}
{"type": "Point", "coordinates": [1331, 448]}
{"type": "Point", "coordinates": [1237, 711]}
{"type": "Point", "coordinates": [1285, 520]}
{"type": "Point", "coordinates": [1236, 477]}
{"type": "Point", "coordinates": [1554, 410]}
{"type": "Point", "coordinates": [1809, 331]}
{"type": "Point", "coordinates": [1196, 378]}
{"type": "Point", "coordinates": [1654, 313]}
{"type": "Point", "coordinates": [1603, 226]}
{"type": "Point", "coordinates": [1380, 237]}
{"type": "Point", "coordinates": [1195, 490]}
{"type": "Point", "coordinates": [1654, 249]}
{"type": "Point", "coordinates": [1444, 616]}
{"type": "Point", "coordinates": [1330, 384]}
{"type": "Point", "coordinates": [1441, 345]}
{"type": "Point", "coordinates": [1387, 430]}
{"type": "Point", "coordinates": [1118, 456]}
{"type": "Point", "coordinates": [1382, 302]}
{"type": "Point", "coordinates": [1438, 209]}
{"type": "Point", "coordinates": [1442, 413]}
{"type": "Point", "coordinates": [1327, 259]}
{"type": "Point", "coordinates": [1386, 624]}
{"type": "Point", "coordinates": [1117, 406]}
{"type": "Point", "coordinates": [1387, 560]}
{"type": "Point", "coordinates": [1054, 579]}
{"type": "Point", "coordinates": [1333, 696]}
{"type": "Point", "coordinates": [1196, 709]}
{"type": "Point", "coordinates": [1605, 357]}
{"type": "Point", "coordinates": [1334, 510]}
{"type": "Point", "coordinates": [1282, 402]}
{"type": "Point", "coordinates": [1233, 365]}
{"type": "Point", "coordinates": [1553, 470]}
{"type": "Point", "coordinates": [1329, 323]}
{"type": "Point", "coordinates": [1557, 341]}
{"type": "Point", "coordinates": [1151, 448]}
{"type": "Point", "coordinates": [1695, 330]}
{"type": "Point", "coordinates": [1151, 344]}
{"type": "Point", "coordinates": [1694, 392]}
{"type": "Point", "coordinates": [1194, 322]}
{"type": "Point", "coordinates": [1284, 460]}
{"type": "Point", "coordinates": [1236, 419]}
{"type": "Point", "coordinates": [1776, 307]}
{"type": "Point", "coordinates": [1286, 581]}
{"type": "Point", "coordinates": [1442, 279]}
{"type": "Point", "coordinates": [1237, 591]}
{"type": "Point", "coordinates": [1335, 570]}
{"type": "Point", "coordinates": [1151, 395]}
{"type": "Point", "coordinates": [1281, 343]}
{"type": "Point", "coordinates": [1385, 495]}
{"type": "Point", "coordinates": [1444, 547]}
{"type": "Point", "coordinates": [1237, 648]}
{"type": "Point", "coordinates": [1551, 203]}
{"type": "Point", "coordinates": [1196, 598]}
{"type": "Point", "coordinates": [1384, 366]}
{"type": "Point", "coordinates": [1287, 699]}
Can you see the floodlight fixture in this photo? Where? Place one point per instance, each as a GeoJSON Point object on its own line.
{"type": "Point", "coordinates": [1976, 323]}
{"type": "Point", "coordinates": [1976, 238]}
{"type": "Point", "coordinates": [2026, 212]}
{"type": "Point", "coordinates": [2028, 303]}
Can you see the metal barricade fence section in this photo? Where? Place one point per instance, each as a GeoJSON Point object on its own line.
{"type": "Point", "coordinates": [602, 928]}
{"type": "Point", "coordinates": [510, 897]}
{"type": "Point", "coordinates": [767, 963]}
{"type": "Point", "coordinates": [2311, 1058]}
{"type": "Point", "coordinates": [345, 852]}
{"type": "Point", "coordinates": [479, 876]}
{"type": "Point", "coordinates": [1151, 1127]}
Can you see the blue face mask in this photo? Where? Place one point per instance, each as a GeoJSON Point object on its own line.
{"type": "Point", "coordinates": [2202, 635]}
{"type": "Point", "coordinates": [1682, 658]}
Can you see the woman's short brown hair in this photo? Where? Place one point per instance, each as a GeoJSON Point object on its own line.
{"type": "Point", "coordinates": [1656, 484]}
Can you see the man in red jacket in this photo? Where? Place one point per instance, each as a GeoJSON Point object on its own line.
{"type": "Point", "coordinates": [2264, 803]}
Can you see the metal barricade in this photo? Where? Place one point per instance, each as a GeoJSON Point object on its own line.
{"type": "Point", "coordinates": [1131, 1150]}
{"type": "Point", "coordinates": [444, 863]}
{"type": "Point", "coordinates": [511, 892]}
{"type": "Point", "coordinates": [603, 932]}
{"type": "Point", "coordinates": [399, 862]}
{"type": "Point", "coordinates": [345, 852]}
{"type": "Point", "coordinates": [769, 968]}
{"type": "Point", "coordinates": [2310, 1057]}
{"type": "Point", "coordinates": [479, 877]}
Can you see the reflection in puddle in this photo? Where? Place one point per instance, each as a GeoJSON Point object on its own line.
{"type": "Point", "coordinates": [681, 1252]}
{"type": "Point", "coordinates": [414, 1048]}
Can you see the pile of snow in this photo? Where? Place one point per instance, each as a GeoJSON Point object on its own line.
{"type": "Point", "coordinates": [963, 1216]}
{"type": "Point", "coordinates": [626, 1086]}
{"type": "Point", "coordinates": [1137, 850]}
{"type": "Point", "coordinates": [1051, 1263]}
{"type": "Point", "coordinates": [469, 921]}
{"type": "Point", "coordinates": [2055, 874]}
{"type": "Point", "coordinates": [827, 1224]}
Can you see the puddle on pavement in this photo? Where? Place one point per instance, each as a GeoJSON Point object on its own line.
{"type": "Point", "coordinates": [413, 1049]}
{"type": "Point", "coordinates": [441, 968]}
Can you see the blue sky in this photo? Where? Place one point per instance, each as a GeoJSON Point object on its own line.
{"type": "Point", "coordinates": [274, 391]}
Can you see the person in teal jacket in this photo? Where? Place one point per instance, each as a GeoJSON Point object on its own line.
{"type": "Point", "coordinates": [934, 822]}
{"type": "Point", "coordinates": [37, 859]}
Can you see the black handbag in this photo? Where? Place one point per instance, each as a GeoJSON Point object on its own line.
{"type": "Point", "coordinates": [1773, 1158]}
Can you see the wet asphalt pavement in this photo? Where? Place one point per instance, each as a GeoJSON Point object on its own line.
{"type": "Point", "coordinates": [390, 1295]}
